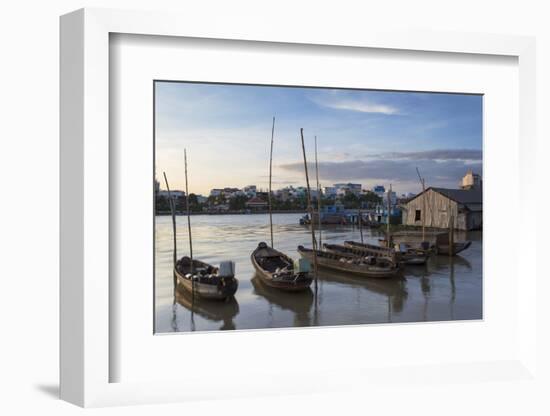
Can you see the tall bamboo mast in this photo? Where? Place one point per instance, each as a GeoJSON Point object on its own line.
{"type": "Point", "coordinates": [188, 214]}
{"type": "Point", "coordinates": [423, 205]}
{"type": "Point", "coordinates": [318, 196]}
{"type": "Point", "coordinates": [270, 171]}
{"type": "Point", "coordinates": [310, 209]}
{"type": "Point", "coordinates": [173, 212]}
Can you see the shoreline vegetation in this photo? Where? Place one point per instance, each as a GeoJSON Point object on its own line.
{"type": "Point", "coordinates": [259, 203]}
{"type": "Point", "coordinates": [298, 211]}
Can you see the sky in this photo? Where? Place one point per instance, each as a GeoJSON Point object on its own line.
{"type": "Point", "coordinates": [363, 136]}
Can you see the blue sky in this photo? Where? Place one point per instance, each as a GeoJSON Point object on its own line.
{"type": "Point", "coordinates": [368, 137]}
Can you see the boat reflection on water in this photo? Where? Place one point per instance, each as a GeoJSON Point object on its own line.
{"type": "Point", "coordinates": [299, 303]}
{"type": "Point", "coordinates": [446, 262]}
{"type": "Point", "coordinates": [214, 311]}
{"type": "Point", "coordinates": [395, 289]}
{"type": "Point", "coordinates": [439, 267]}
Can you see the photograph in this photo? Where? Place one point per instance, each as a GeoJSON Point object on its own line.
{"type": "Point", "coordinates": [291, 207]}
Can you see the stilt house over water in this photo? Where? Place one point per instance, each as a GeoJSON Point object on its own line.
{"type": "Point", "coordinates": [464, 205]}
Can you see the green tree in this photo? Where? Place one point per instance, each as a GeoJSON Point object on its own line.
{"type": "Point", "coordinates": [238, 203]}
{"type": "Point", "coordinates": [161, 204]}
{"type": "Point", "coordinates": [350, 200]}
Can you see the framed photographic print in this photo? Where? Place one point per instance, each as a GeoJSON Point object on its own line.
{"type": "Point", "coordinates": [323, 199]}
{"type": "Point", "coordinates": [246, 232]}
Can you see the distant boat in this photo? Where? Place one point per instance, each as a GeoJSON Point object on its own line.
{"type": "Point", "coordinates": [326, 219]}
{"type": "Point", "coordinates": [368, 266]}
{"type": "Point", "coordinates": [277, 270]}
{"type": "Point", "coordinates": [406, 255]}
{"type": "Point", "coordinates": [207, 281]}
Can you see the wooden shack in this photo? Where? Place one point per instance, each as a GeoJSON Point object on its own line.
{"type": "Point", "coordinates": [465, 207]}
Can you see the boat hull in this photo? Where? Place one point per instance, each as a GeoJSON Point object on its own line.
{"type": "Point", "coordinates": [458, 247]}
{"type": "Point", "coordinates": [208, 291]}
{"type": "Point", "coordinates": [437, 241]}
{"type": "Point", "coordinates": [288, 286]}
{"type": "Point", "coordinates": [410, 257]}
{"type": "Point", "coordinates": [376, 272]}
{"type": "Point", "coordinates": [293, 282]}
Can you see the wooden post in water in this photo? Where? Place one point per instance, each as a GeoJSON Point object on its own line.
{"type": "Point", "coordinates": [173, 212]}
{"type": "Point", "coordinates": [310, 209]}
{"type": "Point", "coordinates": [318, 197]}
{"type": "Point", "coordinates": [188, 214]}
{"type": "Point", "coordinates": [360, 224]}
{"type": "Point", "coordinates": [388, 219]}
{"type": "Point", "coordinates": [452, 237]}
{"type": "Point", "coordinates": [451, 230]}
{"type": "Point", "coordinates": [270, 171]}
{"type": "Point", "coordinates": [423, 205]}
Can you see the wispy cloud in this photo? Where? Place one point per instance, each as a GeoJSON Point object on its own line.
{"type": "Point", "coordinates": [363, 105]}
{"type": "Point", "coordinates": [436, 154]}
{"type": "Point", "coordinates": [446, 173]}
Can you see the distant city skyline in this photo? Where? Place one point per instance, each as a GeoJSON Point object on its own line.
{"type": "Point", "coordinates": [367, 137]}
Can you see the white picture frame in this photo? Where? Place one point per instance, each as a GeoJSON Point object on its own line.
{"type": "Point", "coordinates": [85, 217]}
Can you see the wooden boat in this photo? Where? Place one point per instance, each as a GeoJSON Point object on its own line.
{"type": "Point", "coordinates": [326, 219]}
{"type": "Point", "coordinates": [437, 242]}
{"type": "Point", "coordinates": [206, 281]}
{"type": "Point", "coordinates": [368, 266]}
{"type": "Point", "coordinates": [365, 250]}
{"type": "Point", "coordinates": [444, 249]}
{"type": "Point", "coordinates": [276, 269]}
{"type": "Point", "coordinates": [405, 254]}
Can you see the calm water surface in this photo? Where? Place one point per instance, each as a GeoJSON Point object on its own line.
{"type": "Point", "coordinates": [444, 289]}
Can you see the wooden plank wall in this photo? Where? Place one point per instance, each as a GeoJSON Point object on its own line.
{"type": "Point", "coordinates": [438, 210]}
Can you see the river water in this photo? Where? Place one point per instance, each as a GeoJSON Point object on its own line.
{"type": "Point", "coordinates": [444, 289]}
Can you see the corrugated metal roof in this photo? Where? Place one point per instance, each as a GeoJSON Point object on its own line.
{"type": "Point", "coordinates": [462, 196]}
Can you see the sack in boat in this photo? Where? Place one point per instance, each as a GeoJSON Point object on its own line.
{"type": "Point", "coordinates": [302, 266]}
{"type": "Point", "coordinates": [227, 269]}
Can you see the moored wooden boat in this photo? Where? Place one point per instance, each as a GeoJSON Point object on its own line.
{"type": "Point", "coordinates": [437, 242]}
{"type": "Point", "coordinates": [277, 270]}
{"type": "Point", "coordinates": [444, 249]}
{"type": "Point", "coordinates": [326, 219]}
{"type": "Point", "coordinates": [206, 281]}
{"type": "Point", "coordinates": [360, 251]}
{"type": "Point", "coordinates": [368, 266]}
{"type": "Point", "coordinates": [405, 254]}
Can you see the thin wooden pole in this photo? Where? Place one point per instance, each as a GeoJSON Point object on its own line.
{"type": "Point", "coordinates": [388, 218]}
{"type": "Point", "coordinates": [360, 224]}
{"type": "Point", "coordinates": [173, 212]}
{"type": "Point", "coordinates": [188, 214]}
{"type": "Point", "coordinates": [451, 231]}
{"type": "Point", "coordinates": [318, 196]}
{"type": "Point", "coordinates": [270, 175]}
{"type": "Point", "coordinates": [423, 205]}
{"type": "Point", "coordinates": [310, 209]}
